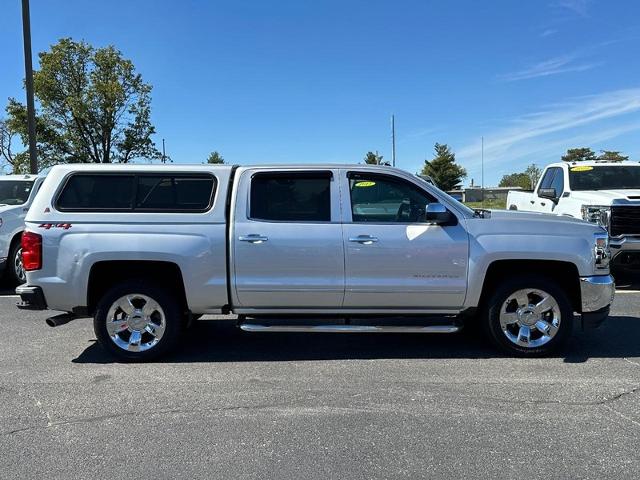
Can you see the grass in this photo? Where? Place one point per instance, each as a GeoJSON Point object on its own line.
{"type": "Point", "coordinates": [491, 203]}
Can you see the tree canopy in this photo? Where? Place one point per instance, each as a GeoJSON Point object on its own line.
{"type": "Point", "coordinates": [612, 156]}
{"type": "Point", "coordinates": [533, 171]}
{"type": "Point", "coordinates": [215, 158]}
{"type": "Point", "coordinates": [579, 155]}
{"type": "Point", "coordinates": [584, 153]}
{"type": "Point", "coordinates": [373, 158]}
{"type": "Point", "coordinates": [521, 180]}
{"type": "Point", "coordinates": [442, 168]}
{"type": "Point", "coordinates": [93, 107]}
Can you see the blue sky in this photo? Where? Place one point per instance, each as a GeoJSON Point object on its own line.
{"type": "Point", "coordinates": [303, 81]}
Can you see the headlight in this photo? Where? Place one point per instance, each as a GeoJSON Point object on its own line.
{"type": "Point", "coordinates": [601, 251]}
{"type": "Point", "coordinates": [597, 214]}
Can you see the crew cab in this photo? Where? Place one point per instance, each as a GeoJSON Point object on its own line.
{"type": "Point", "coordinates": [16, 194]}
{"type": "Point", "coordinates": [145, 249]}
{"type": "Point", "coordinates": [604, 193]}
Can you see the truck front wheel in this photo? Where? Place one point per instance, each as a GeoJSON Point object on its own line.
{"type": "Point", "coordinates": [137, 321]}
{"type": "Point", "coordinates": [529, 316]}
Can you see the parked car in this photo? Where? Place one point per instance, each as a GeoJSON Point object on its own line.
{"type": "Point", "coordinates": [604, 193]}
{"type": "Point", "coordinates": [16, 194]}
{"type": "Point", "coordinates": [143, 249]}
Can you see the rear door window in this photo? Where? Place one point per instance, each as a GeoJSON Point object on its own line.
{"type": "Point", "coordinates": [291, 197]}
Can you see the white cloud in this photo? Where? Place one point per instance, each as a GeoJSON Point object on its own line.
{"type": "Point", "coordinates": [548, 32]}
{"type": "Point", "coordinates": [581, 7]}
{"type": "Point", "coordinates": [534, 133]}
{"type": "Point", "coordinates": [553, 66]}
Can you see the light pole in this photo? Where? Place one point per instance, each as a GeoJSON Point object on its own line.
{"type": "Point", "coordinates": [482, 167]}
{"type": "Point", "coordinates": [393, 140]}
{"type": "Point", "coordinates": [28, 71]}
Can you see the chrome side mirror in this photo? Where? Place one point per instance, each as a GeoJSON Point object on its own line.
{"type": "Point", "coordinates": [437, 214]}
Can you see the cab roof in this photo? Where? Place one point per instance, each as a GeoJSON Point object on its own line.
{"type": "Point", "coordinates": [594, 163]}
{"type": "Point", "coordinates": [17, 177]}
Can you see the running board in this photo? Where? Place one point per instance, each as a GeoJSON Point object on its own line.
{"type": "Point", "coordinates": [253, 327]}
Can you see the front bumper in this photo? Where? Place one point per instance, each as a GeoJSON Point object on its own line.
{"type": "Point", "coordinates": [596, 292]}
{"type": "Point", "coordinates": [3, 264]}
{"type": "Point", "coordinates": [31, 298]}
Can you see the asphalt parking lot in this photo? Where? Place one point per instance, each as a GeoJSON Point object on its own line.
{"type": "Point", "coordinates": [289, 406]}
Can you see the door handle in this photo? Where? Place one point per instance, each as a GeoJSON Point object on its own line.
{"type": "Point", "coordinates": [542, 203]}
{"type": "Point", "coordinates": [364, 239]}
{"type": "Point", "coordinates": [532, 202]}
{"type": "Point", "coordinates": [253, 238]}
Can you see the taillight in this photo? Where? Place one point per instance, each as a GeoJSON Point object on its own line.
{"type": "Point", "coordinates": [31, 251]}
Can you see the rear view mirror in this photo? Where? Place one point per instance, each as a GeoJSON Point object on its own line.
{"type": "Point", "coordinates": [437, 214]}
{"type": "Point", "coordinates": [549, 193]}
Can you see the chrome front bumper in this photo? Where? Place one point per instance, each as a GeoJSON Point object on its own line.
{"type": "Point", "coordinates": [597, 292]}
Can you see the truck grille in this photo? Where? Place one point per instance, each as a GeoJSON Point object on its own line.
{"type": "Point", "coordinates": [625, 220]}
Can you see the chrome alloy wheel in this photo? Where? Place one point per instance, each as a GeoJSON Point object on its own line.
{"type": "Point", "coordinates": [18, 266]}
{"type": "Point", "coordinates": [530, 318]}
{"type": "Point", "coordinates": [135, 322]}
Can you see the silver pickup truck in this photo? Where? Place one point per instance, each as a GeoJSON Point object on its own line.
{"type": "Point", "coordinates": [145, 249]}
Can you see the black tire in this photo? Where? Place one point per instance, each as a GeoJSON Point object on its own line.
{"type": "Point", "coordinates": [492, 310]}
{"type": "Point", "coordinates": [12, 275]}
{"type": "Point", "coordinates": [170, 306]}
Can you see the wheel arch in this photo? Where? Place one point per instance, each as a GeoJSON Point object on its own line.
{"type": "Point", "coordinates": [105, 274]}
{"type": "Point", "coordinates": [564, 273]}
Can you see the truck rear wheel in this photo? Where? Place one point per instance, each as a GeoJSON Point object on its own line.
{"type": "Point", "coordinates": [529, 316]}
{"type": "Point", "coordinates": [137, 321]}
{"type": "Point", "coordinates": [15, 272]}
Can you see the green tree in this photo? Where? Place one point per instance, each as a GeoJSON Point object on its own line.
{"type": "Point", "coordinates": [521, 180]}
{"type": "Point", "coordinates": [373, 158]}
{"type": "Point", "coordinates": [215, 158]}
{"type": "Point", "coordinates": [579, 155]}
{"type": "Point", "coordinates": [533, 171]}
{"type": "Point", "coordinates": [93, 107]}
{"type": "Point", "coordinates": [443, 168]}
{"type": "Point", "coordinates": [7, 136]}
{"type": "Point", "coordinates": [612, 156]}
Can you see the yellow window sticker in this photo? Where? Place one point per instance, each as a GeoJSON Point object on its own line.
{"type": "Point", "coordinates": [583, 168]}
{"type": "Point", "coordinates": [365, 184]}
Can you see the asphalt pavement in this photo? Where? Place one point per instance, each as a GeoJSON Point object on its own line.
{"type": "Point", "coordinates": [231, 404]}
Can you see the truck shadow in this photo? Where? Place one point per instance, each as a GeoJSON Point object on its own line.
{"type": "Point", "coordinates": [222, 341]}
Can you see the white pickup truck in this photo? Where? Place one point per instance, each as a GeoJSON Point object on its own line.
{"type": "Point", "coordinates": [16, 194]}
{"type": "Point", "coordinates": [604, 193]}
{"type": "Point", "coordinates": [323, 248]}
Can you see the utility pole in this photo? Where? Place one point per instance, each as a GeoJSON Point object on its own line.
{"type": "Point", "coordinates": [164, 157]}
{"type": "Point", "coordinates": [393, 140]}
{"type": "Point", "coordinates": [482, 166]}
{"type": "Point", "coordinates": [28, 71]}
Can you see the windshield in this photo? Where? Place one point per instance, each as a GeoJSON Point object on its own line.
{"type": "Point", "coordinates": [604, 177]}
{"type": "Point", "coordinates": [14, 192]}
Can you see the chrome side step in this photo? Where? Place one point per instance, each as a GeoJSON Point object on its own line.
{"type": "Point", "coordinates": [253, 327]}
